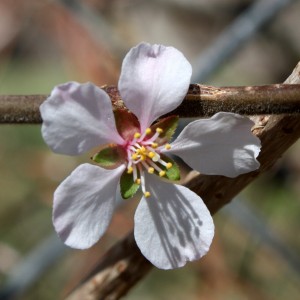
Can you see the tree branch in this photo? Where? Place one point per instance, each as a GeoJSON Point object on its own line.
{"type": "Point", "coordinates": [200, 101]}
{"type": "Point", "coordinates": [123, 265]}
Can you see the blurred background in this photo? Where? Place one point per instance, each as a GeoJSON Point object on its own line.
{"type": "Point", "coordinates": [256, 250]}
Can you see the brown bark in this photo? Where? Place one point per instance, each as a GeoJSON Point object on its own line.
{"type": "Point", "coordinates": [124, 265]}
{"type": "Point", "coordinates": [200, 101]}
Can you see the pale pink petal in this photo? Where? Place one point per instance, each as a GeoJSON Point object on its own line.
{"type": "Point", "coordinates": [172, 226]}
{"type": "Point", "coordinates": [154, 80]}
{"type": "Point", "coordinates": [84, 203]}
{"type": "Point", "coordinates": [221, 145]}
{"type": "Point", "coordinates": [77, 117]}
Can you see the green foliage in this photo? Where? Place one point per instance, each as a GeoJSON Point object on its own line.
{"type": "Point", "coordinates": [128, 186]}
{"type": "Point", "coordinates": [109, 157]}
{"type": "Point", "coordinates": [168, 125]}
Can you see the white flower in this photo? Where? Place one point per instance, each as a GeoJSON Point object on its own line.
{"type": "Point", "coordinates": [172, 223]}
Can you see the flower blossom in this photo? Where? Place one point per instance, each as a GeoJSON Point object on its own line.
{"type": "Point", "coordinates": [172, 225]}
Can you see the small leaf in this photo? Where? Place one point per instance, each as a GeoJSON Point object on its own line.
{"type": "Point", "coordinates": [168, 125]}
{"type": "Point", "coordinates": [127, 123]}
{"type": "Point", "coordinates": [128, 186]}
{"type": "Point", "coordinates": [110, 157]}
{"type": "Point", "coordinates": [174, 172]}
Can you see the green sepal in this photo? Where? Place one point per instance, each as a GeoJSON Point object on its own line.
{"type": "Point", "coordinates": [168, 125]}
{"type": "Point", "coordinates": [110, 157]}
{"type": "Point", "coordinates": [174, 172]}
{"type": "Point", "coordinates": [128, 186]}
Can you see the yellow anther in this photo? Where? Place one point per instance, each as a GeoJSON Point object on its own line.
{"type": "Point", "coordinates": [130, 170]}
{"type": "Point", "coordinates": [134, 156]}
{"type": "Point", "coordinates": [137, 135]}
{"type": "Point", "coordinates": [154, 145]}
{"type": "Point", "coordinates": [167, 146]}
{"type": "Point", "coordinates": [151, 170]}
{"type": "Point", "coordinates": [138, 181]}
{"type": "Point", "coordinates": [148, 130]}
{"type": "Point", "coordinates": [143, 157]}
{"type": "Point", "coordinates": [143, 150]}
{"type": "Point", "coordinates": [169, 165]}
{"type": "Point", "coordinates": [147, 194]}
{"type": "Point", "coordinates": [159, 130]}
{"type": "Point", "coordinates": [162, 173]}
{"type": "Point", "coordinates": [151, 154]}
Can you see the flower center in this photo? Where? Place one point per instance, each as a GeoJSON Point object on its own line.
{"type": "Point", "coordinates": [143, 155]}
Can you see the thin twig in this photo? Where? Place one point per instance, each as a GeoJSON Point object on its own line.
{"type": "Point", "coordinates": [277, 134]}
{"type": "Point", "coordinates": [200, 101]}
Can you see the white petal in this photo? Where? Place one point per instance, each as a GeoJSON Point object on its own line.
{"type": "Point", "coordinates": [221, 145]}
{"type": "Point", "coordinates": [154, 80]}
{"type": "Point", "coordinates": [172, 226]}
{"type": "Point", "coordinates": [77, 117]}
{"type": "Point", "coordinates": [84, 203]}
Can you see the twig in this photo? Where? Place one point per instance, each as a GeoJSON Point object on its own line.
{"type": "Point", "coordinates": [205, 101]}
{"type": "Point", "coordinates": [277, 134]}
{"type": "Point", "coordinates": [200, 101]}
{"type": "Point", "coordinates": [20, 108]}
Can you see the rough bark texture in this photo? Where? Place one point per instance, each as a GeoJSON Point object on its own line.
{"type": "Point", "coordinates": [20, 108]}
{"type": "Point", "coordinates": [200, 101]}
{"type": "Point", "coordinates": [124, 265]}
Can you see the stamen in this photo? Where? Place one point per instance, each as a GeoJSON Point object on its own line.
{"type": "Point", "coordinates": [143, 155]}
{"type": "Point", "coordinates": [156, 157]}
{"type": "Point", "coordinates": [162, 173]}
{"type": "Point", "coordinates": [148, 131]}
{"type": "Point", "coordinates": [151, 170]}
{"type": "Point", "coordinates": [147, 194]}
{"type": "Point", "coordinates": [153, 138]}
{"type": "Point", "coordinates": [155, 166]}
{"type": "Point", "coordinates": [132, 148]}
{"type": "Point", "coordinates": [145, 165]}
{"type": "Point", "coordinates": [134, 156]}
{"type": "Point", "coordinates": [134, 173]}
{"type": "Point", "coordinates": [142, 179]}
{"type": "Point", "coordinates": [137, 135]}
{"type": "Point", "coordinates": [169, 165]}
{"type": "Point", "coordinates": [151, 154]}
